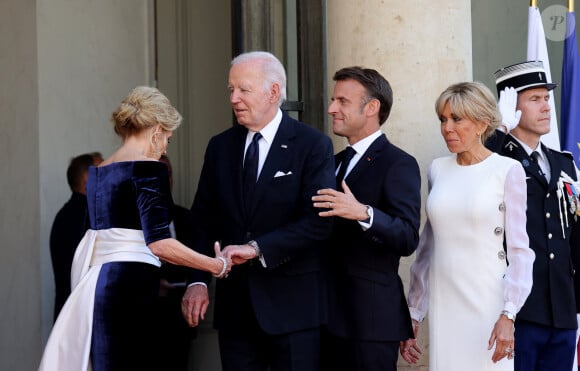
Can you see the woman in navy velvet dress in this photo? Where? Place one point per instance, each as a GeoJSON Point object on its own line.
{"type": "Point", "coordinates": [115, 276]}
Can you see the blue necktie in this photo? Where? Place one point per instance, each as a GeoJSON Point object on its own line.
{"type": "Point", "coordinates": [349, 153]}
{"type": "Point", "coordinates": [250, 173]}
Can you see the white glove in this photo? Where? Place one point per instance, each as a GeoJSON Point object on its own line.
{"type": "Point", "coordinates": [508, 99]}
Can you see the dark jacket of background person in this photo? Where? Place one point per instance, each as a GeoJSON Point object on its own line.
{"type": "Point", "coordinates": [69, 226]}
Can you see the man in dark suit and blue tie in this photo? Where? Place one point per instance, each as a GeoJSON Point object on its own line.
{"type": "Point", "coordinates": [545, 327]}
{"type": "Point", "coordinates": [254, 196]}
{"type": "Point", "coordinates": [376, 214]}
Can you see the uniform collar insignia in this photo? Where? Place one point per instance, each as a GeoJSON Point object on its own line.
{"type": "Point", "coordinates": [511, 145]}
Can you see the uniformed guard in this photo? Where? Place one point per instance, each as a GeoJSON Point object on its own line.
{"type": "Point", "coordinates": [545, 328]}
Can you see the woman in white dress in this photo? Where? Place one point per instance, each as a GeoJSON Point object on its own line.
{"type": "Point", "coordinates": [472, 284]}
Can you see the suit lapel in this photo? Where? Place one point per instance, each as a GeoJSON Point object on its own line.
{"type": "Point", "coordinates": [366, 159]}
{"type": "Point", "coordinates": [278, 159]}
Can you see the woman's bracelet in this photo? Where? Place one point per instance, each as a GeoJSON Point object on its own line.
{"type": "Point", "coordinates": [224, 267]}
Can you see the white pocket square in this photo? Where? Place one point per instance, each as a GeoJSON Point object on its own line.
{"type": "Point", "coordinates": [281, 173]}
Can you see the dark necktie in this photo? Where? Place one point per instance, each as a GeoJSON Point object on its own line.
{"type": "Point", "coordinates": [251, 165]}
{"type": "Point", "coordinates": [348, 155]}
{"type": "Point", "coordinates": [534, 156]}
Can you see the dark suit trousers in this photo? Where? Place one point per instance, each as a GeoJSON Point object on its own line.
{"type": "Point", "coordinates": [543, 348]}
{"type": "Point", "coordinates": [339, 354]}
{"type": "Point", "coordinates": [255, 350]}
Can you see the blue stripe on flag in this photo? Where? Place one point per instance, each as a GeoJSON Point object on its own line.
{"type": "Point", "coordinates": [570, 105]}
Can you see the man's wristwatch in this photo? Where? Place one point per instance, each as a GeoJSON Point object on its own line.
{"type": "Point", "coordinates": [369, 215]}
{"type": "Point", "coordinates": [254, 244]}
{"type": "Point", "coordinates": [509, 315]}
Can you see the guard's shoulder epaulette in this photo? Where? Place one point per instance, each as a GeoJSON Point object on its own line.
{"type": "Point", "coordinates": [568, 154]}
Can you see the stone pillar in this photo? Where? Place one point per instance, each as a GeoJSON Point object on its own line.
{"type": "Point", "coordinates": [20, 319]}
{"type": "Point", "coordinates": [421, 47]}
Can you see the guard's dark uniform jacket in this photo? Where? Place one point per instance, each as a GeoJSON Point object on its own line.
{"type": "Point", "coordinates": [553, 226]}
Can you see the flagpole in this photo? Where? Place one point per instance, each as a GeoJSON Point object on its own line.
{"type": "Point", "coordinates": [570, 6]}
{"type": "Point", "coordinates": [534, 3]}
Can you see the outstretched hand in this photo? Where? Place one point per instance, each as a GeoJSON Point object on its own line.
{"type": "Point", "coordinates": [239, 254]}
{"type": "Point", "coordinates": [337, 203]}
{"type": "Point", "coordinates": [508, 100]}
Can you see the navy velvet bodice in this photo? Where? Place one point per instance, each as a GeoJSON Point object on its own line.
{"type": "Point", "coordinates": [131, 195]}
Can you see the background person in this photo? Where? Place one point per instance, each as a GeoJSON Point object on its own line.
{"type": "Point", "coordinates": [106, 322]}
{"type": "Point", "coordinates": [477, 199]}
{"type": "Point", "coordinates": [376, 212]}
{"type": "Point", "coordinates": [69, 225]}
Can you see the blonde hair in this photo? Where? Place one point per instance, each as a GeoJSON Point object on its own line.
{"type": "Point", "coordinates": [471, 100]}
{"type": "Point", "coordinates": [144, 108]}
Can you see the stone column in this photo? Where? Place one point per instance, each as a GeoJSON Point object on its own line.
{"type": "Point", "coordinates": [20, 275]}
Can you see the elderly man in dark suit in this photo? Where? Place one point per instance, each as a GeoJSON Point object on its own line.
{"type": "Point", "coordinates": [254, 196]}
{"type": "Point", "coordinates": [377, 216]}
{"type": "Point", "coordinates": [545, 328]}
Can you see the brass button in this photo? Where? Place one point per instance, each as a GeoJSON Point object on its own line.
{"type": "Point", "coordinates": [547, 215]}
{"type": "Point", "coordinates": [498, 231]}
{"type": "Point", "coordinates": [549, 236]}
{"type": "Point", "coordinates": [501, 255]}
{"type": "Point", "coordinates": [551, 256]}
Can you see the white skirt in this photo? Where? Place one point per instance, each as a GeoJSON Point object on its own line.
{"type": "Point", "coordinates": [69, 345]}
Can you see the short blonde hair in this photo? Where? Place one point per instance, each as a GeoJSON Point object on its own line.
{"type": "Point", "coordinates": [471, 100]}
{"type": "Point", "coordinates": [144, 108]}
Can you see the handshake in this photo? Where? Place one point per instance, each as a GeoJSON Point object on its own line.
{"type": "Point", "coordinates": [234, 255]}
{"type": "Point", "coordinates": [508, 100]}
